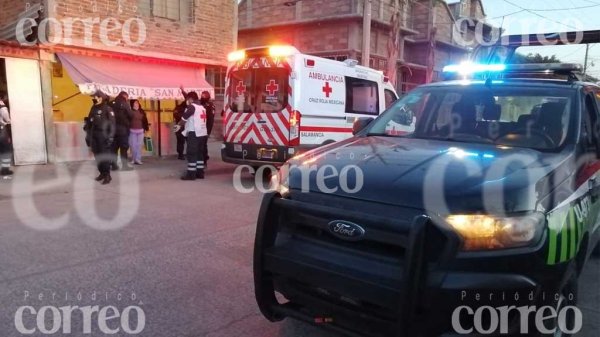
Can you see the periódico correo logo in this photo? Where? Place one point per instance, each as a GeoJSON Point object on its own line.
{"type": "Point", "coordinates": [107, 320]}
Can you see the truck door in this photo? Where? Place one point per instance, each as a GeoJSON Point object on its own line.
{"type": "Point", "coordinates": [589, 173]}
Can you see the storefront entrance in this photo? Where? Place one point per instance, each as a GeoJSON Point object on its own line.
{"type": "Point", "coordinates": [155, 84]}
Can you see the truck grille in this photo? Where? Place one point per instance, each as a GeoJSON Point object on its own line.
{"type": "Point", "coordinates": [367, 283]}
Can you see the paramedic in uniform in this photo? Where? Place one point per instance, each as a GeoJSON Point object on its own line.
{"type": "Point", "coordinates": [207, 103]}
{"type": "Point", "coordinates": [5, 141]}
{"type": "Point", "coordinates": [101, 127]}
{"type": "Point", "coordinates": [193, 121]}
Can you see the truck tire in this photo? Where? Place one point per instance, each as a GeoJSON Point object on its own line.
{"type": "Point", "coordinates": [596, 250]}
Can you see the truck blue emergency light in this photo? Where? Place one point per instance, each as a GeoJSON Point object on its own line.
{"type": "Point", "coordinates": [467, 70]}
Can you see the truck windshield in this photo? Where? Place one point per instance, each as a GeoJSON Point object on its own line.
{"type": "Point", "coordinates": [261, 90]}
{"type": "Point", "coordinates": [536, 118]}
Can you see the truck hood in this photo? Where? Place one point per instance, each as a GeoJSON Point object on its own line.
{"type": "Point", "coordinates": [427, 174]}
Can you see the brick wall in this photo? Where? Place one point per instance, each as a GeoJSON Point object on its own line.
{"type": "Point", "coordinates": [444, 23]}
{"type": "Point", "coordinates": [9, 10]}
{"type": "Point", "coordinates": [477, 9]}
{"type": "Point", "coordinates": [209, 35]}
{"type": "Point", "coordinates": [260, 13]}
{"type": "Point", "coordinates": [421, 19]}
{"type": "Point", "coordinates": [307, 38]}
{"type": "Point", "coordinates": [416, 53]}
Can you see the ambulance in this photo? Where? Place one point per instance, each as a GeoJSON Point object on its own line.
{"type": "Point", "coordinates": [280, 102]}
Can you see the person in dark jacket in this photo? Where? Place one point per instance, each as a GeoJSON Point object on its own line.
{"type": "Point", "coordinates": [123, 116]}
{"type": "Point", "coordinates": [208, 104]}
{"type": "Point", "coordinates": [177, 113]}
{"type": "Point", "coordinates": [5, 137]}
{"type": "Point", "coordinates": [100, 126]}
{"type": "Point", "coordinates": [139, 125]}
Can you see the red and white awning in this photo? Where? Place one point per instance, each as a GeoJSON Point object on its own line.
{"type": "Point", "coordinates": [138, 79]}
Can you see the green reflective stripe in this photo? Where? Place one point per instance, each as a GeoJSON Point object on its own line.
{"type": "Point", "coordinates": [564, 235]}
{"type": "Point", "coordinates": [552, 246]}
{"type": "Point", "coordinates": [573, 229]}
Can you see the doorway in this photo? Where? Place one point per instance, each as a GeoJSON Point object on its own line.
{"type": "Point", "coordinates": [21, 77]}
{"type": "Point", "coordinates": [3, 84]}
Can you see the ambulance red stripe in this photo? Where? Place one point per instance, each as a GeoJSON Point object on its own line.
{"type": "Point", "coordinates": [239, 128]}
{"type": "Point", "coordinates": [280, 135]}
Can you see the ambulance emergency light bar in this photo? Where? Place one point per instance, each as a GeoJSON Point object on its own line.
{"type": "Point", "coordinates": [468, 69]}
{"type": "Point", "coordinates": [273, 51]}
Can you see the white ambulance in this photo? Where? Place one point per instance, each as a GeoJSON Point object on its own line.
{"type": "Point", "coordinates": [280, 102]}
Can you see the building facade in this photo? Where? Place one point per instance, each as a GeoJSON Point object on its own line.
{"type": "Point", "coordinates": [334, 29]}
{"type": "Point", "coordinates": [145, 47]}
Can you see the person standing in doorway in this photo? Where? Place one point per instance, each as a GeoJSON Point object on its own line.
{"type": "Point", "coordinates": [5, 137]}
{"type": "Point", "coordinates": [193, 121]}
{"type": "Point", "coordinates": [123, 116]}
{"type": "Point", "coordinates": [139, 125]}
{"type": "Point", "coordinates": [101, 126]}
{"type": "Point", "coordinates": [209, 106]}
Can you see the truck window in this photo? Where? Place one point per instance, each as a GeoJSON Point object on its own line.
{"type": "Point", "coordinates": [590, 120]}
{"type": "Point", "coordinates": [390, 98]}
{"type": "Point", "coordinates": [516, 116]}
{"type": "Point", "coordinates": [362, 96]}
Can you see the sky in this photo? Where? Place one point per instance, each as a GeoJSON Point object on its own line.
{"type": "Point", "coordinates": [544, 16]}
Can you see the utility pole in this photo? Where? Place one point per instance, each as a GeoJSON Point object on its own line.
{"type": "Point", "coordinates": [366, 40]}
{"type": "Point", "coordinates": [585, 63]}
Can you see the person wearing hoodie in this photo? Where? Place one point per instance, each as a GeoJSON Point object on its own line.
{"type": "Point", "coordinates": [5, 137]}
{"type": "Point", "coordinates": [123, 115]}
{"type": "Point", "coordinates": [100, 127]}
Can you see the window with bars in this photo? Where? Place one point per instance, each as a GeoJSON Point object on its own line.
{"type": "Point", "coordinates": [215, 75]}
{"type": "Point", "coordinates": [176, 10]}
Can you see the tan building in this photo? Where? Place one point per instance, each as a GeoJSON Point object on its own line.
{"type": "Point", "coordinates": [65, 49]}
{"type": "Point", "coordinates": [334, 29]}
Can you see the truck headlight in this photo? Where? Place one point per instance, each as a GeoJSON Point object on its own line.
{"type": "Point", "coordinates": [486, 232]}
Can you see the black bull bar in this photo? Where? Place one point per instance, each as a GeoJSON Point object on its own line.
{"type": "Point", "coordinates": [418, 270]}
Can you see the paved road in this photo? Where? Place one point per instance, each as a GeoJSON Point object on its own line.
{"type": "Point", "coordinates": [186, 255]}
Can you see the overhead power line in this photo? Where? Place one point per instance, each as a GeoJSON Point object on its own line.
{"type": "Point", "coordinates": [539, 15]}
{"type": "Point", "coordinates": [560, 9]}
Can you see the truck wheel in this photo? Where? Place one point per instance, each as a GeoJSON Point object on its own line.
{"type": "Point", "coordinates": [267, 172]}
{"type": "Point", "coordinates": [596, 251]}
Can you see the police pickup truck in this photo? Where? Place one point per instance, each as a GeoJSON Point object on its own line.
{"type": "Point", "coordinates": [468, 207]}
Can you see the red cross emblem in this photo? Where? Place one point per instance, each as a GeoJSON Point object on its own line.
{"type": "Point", "coordinates": [241, 88]}
{"type": "Point", "coordinates": [327, 89]}
{"type": "Point", "coordinates": [272, 87]}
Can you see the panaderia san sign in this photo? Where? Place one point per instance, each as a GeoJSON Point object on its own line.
{"type": "Point", "coordinates": [139, 92]}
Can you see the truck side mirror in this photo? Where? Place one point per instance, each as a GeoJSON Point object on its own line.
{"type": "Point", "coordinates": [360, 124]}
